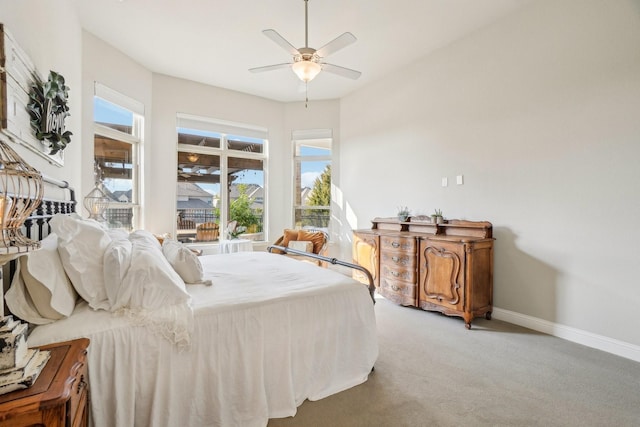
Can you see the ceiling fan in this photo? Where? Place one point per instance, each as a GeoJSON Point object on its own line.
{"type": "Point", "coordinates": [307, 61]}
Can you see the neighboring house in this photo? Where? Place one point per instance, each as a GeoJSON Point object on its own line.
{"type": "Point", "coordinates": [122, 196]}
{"type": "Point", "coordinates": [191, 196]}
{"type": "Point", "coordinates": [119, 217]}
{"type": "Point", "coordinates": [306, 192]}
{"type": "Point", "coordinates": [194, 205]}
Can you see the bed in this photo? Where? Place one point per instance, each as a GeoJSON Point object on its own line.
{"type": "Point", "coordinates": [267, 333]}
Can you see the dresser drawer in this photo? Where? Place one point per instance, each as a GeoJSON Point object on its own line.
{"type": "Point", "coordinates": [398, 259]}
{"type": "Point", "coordinates": [398, 291]}
{"type": "Point", "coordinates": [79, 392]}
{"type": "Point", "coordinates": [397, 243]}
{"type": "Point", "coordinates": [393, 272]}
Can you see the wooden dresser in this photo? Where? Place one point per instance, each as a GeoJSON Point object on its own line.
{"type": "Point", "coordinates": [60, 395]}
{"type": "Point", "coordinates": [441, 267]}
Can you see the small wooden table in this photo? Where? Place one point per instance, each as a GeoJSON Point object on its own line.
{"type": "Point", "coordinates": [60, 395]}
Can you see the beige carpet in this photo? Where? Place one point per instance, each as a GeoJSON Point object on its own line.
{"type": "Point", "coordinates": [432, 371]}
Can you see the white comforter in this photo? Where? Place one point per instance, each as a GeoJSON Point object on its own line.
{"type": "Point", "coordinates": [268, 334]}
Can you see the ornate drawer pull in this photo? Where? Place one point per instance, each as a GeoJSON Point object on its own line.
{"type": "Point", "coordinates": [81, 384]}
{"type": "Point", "coordinates": [395, 244]}
{"type": "Point", "coordinates": [395, 273]}
{"type": "Point", "coordinates": [395, 288]}
{"type": "Point", "coordinates": [395, 258]}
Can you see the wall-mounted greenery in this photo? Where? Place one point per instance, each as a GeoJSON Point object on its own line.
{"type": "Point", "coordinates": [48, 110]}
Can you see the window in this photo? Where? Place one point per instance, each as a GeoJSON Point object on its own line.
{"type": "Point", "coordinates": [118, 124]}
{"type": "Point", "coordinates": [312, 187]}
{"type": "Point", "coordinates": [220, 180]}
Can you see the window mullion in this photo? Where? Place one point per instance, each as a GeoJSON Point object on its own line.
{"type": "Point", "coordinates": [224, 186]}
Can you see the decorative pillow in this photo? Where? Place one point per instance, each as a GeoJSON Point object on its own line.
{"type": "Point", "coordinates": [150, 282]}
{"type": "Point", "coordinates": [81, 245]}
{"type": "Point", "coordinates": [117, 260]}
{"type": "Point", "coordinates": [150, 292]}
{"type": "Point", "coordinates": [20, 303]}
{"type": "Point", "coordinates": [317, 237]}
{"type": "Point", "coordinates": [184, 261]}
{"type": "Point", "coordinates": [289, 235]}
{"type": "Point", "coordinates": [301, 245]}
{"type": "Point", "coordinates": [44, 277]}
{"type": "Point", "coordinates": [147, 237]}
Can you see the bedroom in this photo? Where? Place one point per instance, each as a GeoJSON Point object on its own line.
{"type": "Point", "coordinates": [548, 96]}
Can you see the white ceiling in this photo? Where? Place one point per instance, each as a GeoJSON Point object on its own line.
{"type": "Point", "coordinates": [217, 41]}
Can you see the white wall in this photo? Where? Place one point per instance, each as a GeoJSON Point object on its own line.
{"type": "Point", "coordinates": [104, 64]}
{"type": "Point", "coordinates": [541, 114]}
{"type": "Point", "coordinates": [51, 47]}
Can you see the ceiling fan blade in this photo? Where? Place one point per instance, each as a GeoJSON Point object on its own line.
{"type": "Point", "coordinates": [281, 41]}
{"type": "Point", "coordinates": [341, 71]}
{"type": "Point", "coordinates": [336, 44]}
{"type": "Point", "coordinates": [270, 67]}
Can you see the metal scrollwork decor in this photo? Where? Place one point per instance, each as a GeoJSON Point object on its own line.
{"type": "Point", "coordinates": [48, 110]}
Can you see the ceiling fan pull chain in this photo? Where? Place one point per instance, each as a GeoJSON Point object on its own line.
{"type": "Point", "coordinates": [306, 94]}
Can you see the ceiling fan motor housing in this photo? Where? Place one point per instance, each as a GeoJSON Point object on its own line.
{"type": "Point", "coordinates": [307, 54]}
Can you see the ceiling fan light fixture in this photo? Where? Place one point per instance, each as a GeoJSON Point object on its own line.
{"type": "Point", "coordinates": [306, 70]}
{"type": "Point", "coordinates": [193, 157]}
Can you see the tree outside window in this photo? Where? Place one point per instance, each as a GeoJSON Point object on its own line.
{"type": "Point", "coordinates": [312, 183]}
{"type": "Point", "coordinates": [241, 210]}
{"type": "Point", "coordinates": [320, 196]}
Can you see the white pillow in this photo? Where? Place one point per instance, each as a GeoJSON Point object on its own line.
{"type": "Point", "coordinates": [145, 236]}
{"type": "Point", "coordinates": [150, 282]}
{"type": "Point", "coordinates": [184, 261]}
{"type": "Point", "coordinates": [81, 245]}
{"type": "Point", "coordinates": [117, 259]}
{"type": "Point", "coordinates": [19, 301]}
{"type": "Point", "coordinates": [301, 245]}
{"type": "Point", "coordinates": [44, 277]}
{"type": "Point", "coordinates": [117, 234]}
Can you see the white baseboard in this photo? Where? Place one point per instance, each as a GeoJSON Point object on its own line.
{"type": "Point", "coordinates": [600, 342]}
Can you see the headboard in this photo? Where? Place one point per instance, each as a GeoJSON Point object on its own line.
{"type": "Point", "coordinates": [36, 226]}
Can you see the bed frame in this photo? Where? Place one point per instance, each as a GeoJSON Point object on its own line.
{"type": "Point", "coordinates": [36, 226]}
{"type": "Point", "coordinates": [334, 261]}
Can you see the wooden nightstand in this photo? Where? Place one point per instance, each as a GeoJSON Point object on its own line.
{"type": "Point", "coordinates": [60, 395]}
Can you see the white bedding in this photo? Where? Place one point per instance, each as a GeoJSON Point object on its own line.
{"type": "Point", "coordinates": [268, 334]}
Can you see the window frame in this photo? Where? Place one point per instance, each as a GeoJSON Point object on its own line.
{"type": "Point", "coordinates": [227, 130]}
{"type": "Point", "coordinates": [306, 137]}
{"type": "Point", "coordinates": [135, 139]}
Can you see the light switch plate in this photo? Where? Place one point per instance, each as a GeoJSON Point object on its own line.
{"type": "Point", "coordinates": [445, 181]}
{"type": "Point", "coordinates": [459, 180]}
